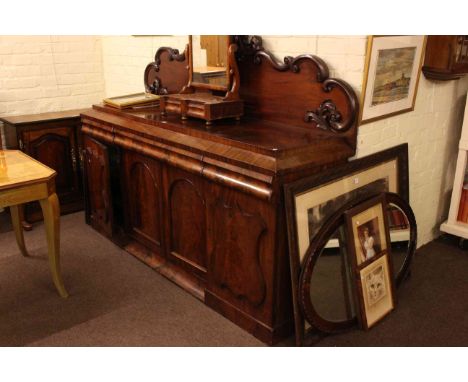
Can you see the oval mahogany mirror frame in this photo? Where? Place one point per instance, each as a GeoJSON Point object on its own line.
{"type": "Point", "coordinates": [318, 244]}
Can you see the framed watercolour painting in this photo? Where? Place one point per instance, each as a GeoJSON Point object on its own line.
{"type": "Point", "coordinates": [391, 75]}
{"type": "Point", "coordinates": [369, 249]}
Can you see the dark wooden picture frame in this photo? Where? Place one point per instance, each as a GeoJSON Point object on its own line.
{"type": "Point", "coordinates": [359, 219]}
{"type": "Point", "coordinates": [400, 155]}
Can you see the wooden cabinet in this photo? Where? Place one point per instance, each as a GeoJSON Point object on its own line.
{"type": "Point", "coordinates": [204, 206]}
{"type": "Point", "coordinates": [446, 57]}
{"type": "Point", "coordinates": [54, 139]}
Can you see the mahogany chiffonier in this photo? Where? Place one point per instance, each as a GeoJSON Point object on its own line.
{"type": "Point", "coordinates": [202, 205]}
{"type": "Point", "coordinates": [54, 139]}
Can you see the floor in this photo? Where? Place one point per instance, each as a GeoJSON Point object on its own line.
{"type": "Point", "coordinates": [115, 300]}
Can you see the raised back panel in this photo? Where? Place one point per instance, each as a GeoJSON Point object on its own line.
{"type": "Point", "coordinates": [297, 91]}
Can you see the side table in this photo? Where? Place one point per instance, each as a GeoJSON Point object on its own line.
{"type": "Point", "coordinates": [23, 180]}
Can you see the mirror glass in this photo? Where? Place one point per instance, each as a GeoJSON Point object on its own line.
{"type": "Point", "coordinates": [399, 236]}
{"type": "Point", "coordinates": [330, 283]}
{"type": "Point", "coordinates": [331, 287]}
{"type": "Point", "coordinates": [210, 60]}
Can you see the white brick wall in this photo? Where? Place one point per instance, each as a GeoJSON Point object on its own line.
{"type": "Point", "coordinates": [49, 73]}
{"type": "Point", "coordinates": [125, 59]}
{"type": "Point", "coordinates": [43, 73]}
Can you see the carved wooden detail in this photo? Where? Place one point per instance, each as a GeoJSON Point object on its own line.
{"type": "Point", "coordinates": [332, 115]}
{"type": "Point", "coordinates": [236, 252]}
{"type": "Point", "coordinates": [168, 73]}
{"type": "Point", "coordinates": [187, 222]}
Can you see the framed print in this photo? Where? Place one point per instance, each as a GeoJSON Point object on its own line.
{"type": "Point", "coordinates": [370, 258]}
{"type": "Point", "coordinates": [391, 75]}
{"type": "Point", "coordinates": [377, 293]}
{"type": "Point", "coordinates": [368, 230]}
{"type": "Point", "coordinates": [310, 201]}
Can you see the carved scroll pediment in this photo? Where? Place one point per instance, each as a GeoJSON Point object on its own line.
{"type": "Point", "coordinates": [331, 114]}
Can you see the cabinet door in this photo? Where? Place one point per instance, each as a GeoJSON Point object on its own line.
{"type": "Point", "coordinates": [186, 220]}
{"type": "Point", "coordinates": [97, 186]}
{"type": "Point", "coordinates": [57, 148]}
{"type": "Point", "coordinates": [143, 200]}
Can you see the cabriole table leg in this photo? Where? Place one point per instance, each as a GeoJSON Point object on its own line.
{"type": "Point", "coordinates": [15, 212]}
{"type": "Point", "coordinates": [51, 210]}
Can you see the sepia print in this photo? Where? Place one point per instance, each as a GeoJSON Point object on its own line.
{"type": "Point", "coordinates": [393, 75]}
{"type": "Point", "coordinates": [375, 285]}
{"type": "Point", "coordinates": [377, 296]}
{"type": "Point", "coordinates": [369, 239]}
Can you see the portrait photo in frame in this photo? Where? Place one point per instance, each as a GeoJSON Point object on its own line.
{"type": "Point", "coordinates": [383, 171]}
{"type": "Point", "coordinates": [370, 257]}
{"type": "Point", "coordinates": [368, 230]}
{"type": "Point", "coordinates": [391, 76]}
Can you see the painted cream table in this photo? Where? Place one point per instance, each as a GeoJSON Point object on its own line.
{"type": "Point", "coordinates": [23, 180]}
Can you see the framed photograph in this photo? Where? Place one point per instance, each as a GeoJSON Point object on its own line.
{"type": "Point", "coordinates": [369, 250]}
{"type": "Point", "coordinates": [368, 230]}
{"type": "Point", "coordinates": [312, 200]}
{"type": "Point", "coordinates": [391, 75]}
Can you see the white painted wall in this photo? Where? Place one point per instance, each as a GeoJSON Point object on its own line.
{"type": "Point", "coordinates": [49, 73]}
{"type": "Point", "coordinates": [45, 73]}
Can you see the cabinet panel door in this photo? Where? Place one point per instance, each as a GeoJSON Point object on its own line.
{"type": "Point", "coordinates": [97, 183]}
{"type": "Point", "coordinates": [143, 201]}
{"type": "Point", "coordinates": [57, 148]}
{"type": "Point", "coordinates": [186, 220]}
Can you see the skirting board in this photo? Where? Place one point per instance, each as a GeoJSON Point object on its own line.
{"type": "Point", "coordinates": [458, 229]}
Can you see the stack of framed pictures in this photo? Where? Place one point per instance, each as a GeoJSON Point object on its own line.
{"type": "Point", "coordinates": [322, 276]}
{"type": "Point", "coordinates": [369, 250]}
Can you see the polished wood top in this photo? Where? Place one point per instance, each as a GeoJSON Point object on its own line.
{"type": "Point", "coordinates": [261, 136]}
{"type": "Point", "coordinates": [253, 144]}
{"type": "Point", "coordinates": [32, 118]}
{"type": "Point", "coordinates": [17, 169]}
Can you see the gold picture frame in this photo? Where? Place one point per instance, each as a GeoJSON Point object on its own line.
{"type": "Point", "coordinates": [391, 76]}
{"type": "Point", "coordinates": [131, 100]}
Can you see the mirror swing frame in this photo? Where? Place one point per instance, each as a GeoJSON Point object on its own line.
{"type": "Point", "coordinates": [196, 100]}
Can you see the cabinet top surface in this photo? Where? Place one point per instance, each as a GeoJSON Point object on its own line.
{"type": "Point", "coordinates": [42, 117]}
{"type": "Point", "coordinates": [17, 168]}
{"type": "Point", "coordinates": [260, 136]}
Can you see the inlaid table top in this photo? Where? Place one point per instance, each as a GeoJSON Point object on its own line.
{"type": "Point", "coordinates": [17, 169]}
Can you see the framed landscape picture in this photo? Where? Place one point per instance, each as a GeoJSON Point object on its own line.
{"type": "Point", "coordinates": [391, 75]}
